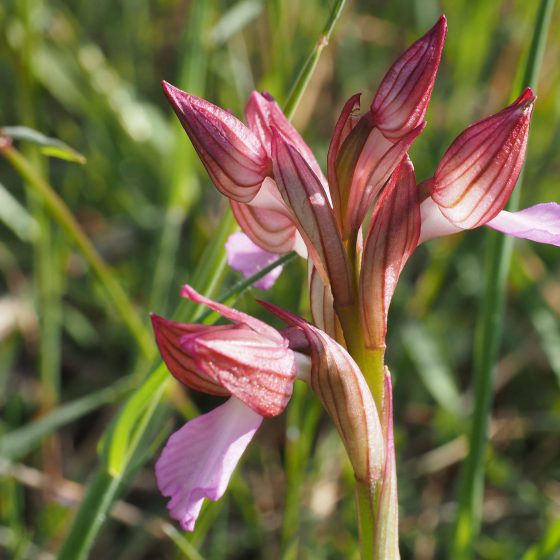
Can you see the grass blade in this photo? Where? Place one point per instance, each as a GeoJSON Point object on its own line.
{"type": "Point", "coordinates": [488, 338]}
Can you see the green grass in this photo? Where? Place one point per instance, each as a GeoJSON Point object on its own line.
{"type": "Point", "coordinates": [71, 343]}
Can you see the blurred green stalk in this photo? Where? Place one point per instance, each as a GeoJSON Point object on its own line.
{"type": "Point", "coordinates": [183, 181]}
{"type": "Point", "coordinates": [109, 479]}
{"type": "Point", "coordinates": [46, 247]}
{"type": "Point", "coordinates": [488, 338]}
{"type": "Point", "coordinates": [306, 72]}
{"type": "Point", "coordinates": [64, 217]}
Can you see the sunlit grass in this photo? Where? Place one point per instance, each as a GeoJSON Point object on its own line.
{"type": "Point", "coordinates": [89, 74]}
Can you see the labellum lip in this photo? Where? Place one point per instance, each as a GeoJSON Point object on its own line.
{"type": "Point", "coordinates": [231, 152]}
{"type": "Point", "coordinates": [478, 172]}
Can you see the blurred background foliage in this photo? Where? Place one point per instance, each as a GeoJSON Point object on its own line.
{"type": "Point", "coordinates": [89, 74]}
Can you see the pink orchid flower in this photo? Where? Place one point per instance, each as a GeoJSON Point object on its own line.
{"type": "Point", "coordinates": [248, 258]}
{"type": "Point", "coordinates": [477, 175]}
{"type": "Point", "coordinates": [470, 188]}
{"type": "Point", "coordinates": [246, 360]}
{"type": "Point", "coordinates": [283, 202]}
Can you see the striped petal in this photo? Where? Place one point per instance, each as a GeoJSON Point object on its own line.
{"type": "Point", "coordinates": [269, 229]}
{"type": "Point", "coordinates": [387, 530]}
{"type": "Point", "coordinates": [322, 306]}
{"type": "Point", "coordinates": [250, 359]}
{"type": "Point", "coordinates": [341, 387]}
{"type": "Point", "coordinates": [233, 315]}
{"type": "Point", "coordinates": [231, 152]}
{"type": "Point", "coordinates": [199, 459]}
{"type": "Point", "coordinates": [179, 363]}
{"type": "Point", "coordinates": [401, 101]}
{"type": "Point", "coordinates": [377, 161]}
{"type": "Point", "coordinates": [392, 237]}
{"type": "Point", "coordinates": [345, 124]}
{"type": "Point", "coordinates": [264, 114]}
{"type": "Point", "coordinates": [478, 172]}
{"type": "Point", "coordinates": [256, 370]}
{"type": "Point", "coordinates": [303, 193]}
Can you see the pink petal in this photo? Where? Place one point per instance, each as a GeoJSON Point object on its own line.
{"type": "Point", "coordinates": [378, 158]}
{"type": "Point", "coordinates": [539, 223]}
{"type": "Point", "coordinates": [322, 306]}
{"type": "Point", "coordinates": [478, 172]}
{"type": "Point", "coordinates": [304, 194]}
{"type": "Point", "coordinates": [264, 114]}
{"type": "Point", "coordinates": [392, 237]}
{"type": "Point", "coordinates": [271, 230]}
{"type": "Point", "coordinates": [234, 315]}
{"type": "Point", "coordinates": [198, 460]}
{"type": "Point", "coordinates": [258, 371]}
{"type": "Point", "coordinates": [345, 124]}
{"type": "Point", "coordinates": [246, 257]}
{"type": "Point", "coordinates": [231, 153]}
{"type": "Point", "coordinates": [401, 101]}
{"type": "Point", "coordinates": [179, 363]}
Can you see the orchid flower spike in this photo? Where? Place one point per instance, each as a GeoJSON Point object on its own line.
{"type": "Point", "coordinates": [246, 360]}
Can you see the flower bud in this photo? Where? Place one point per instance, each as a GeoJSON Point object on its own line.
{"type": "Point", "coordinates": [232, 154]}
{"type": "Point", "coordinates": [402, 98]}
{"type": "Point", "coordinates": [478, 172]}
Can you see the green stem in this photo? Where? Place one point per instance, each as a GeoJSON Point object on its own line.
{"type": "Point", "coordinates": [306, 72]}
{"type": "Point", "coordinates": [367, 522]}
{"type": "Point", "coordinates": [488, 338]}
{"type": "Point", "coordinates": [303, 417]}
{"type": "Point", "coordinates": [101, 493]}
{"type": "Point", "coordinates": [64, 217]}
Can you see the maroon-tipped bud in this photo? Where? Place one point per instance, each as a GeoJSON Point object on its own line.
{"type": "Point", "coordinates": [232, 154]}
{"type": "Point", "coordinates": [365, 162]}
{"type": "Point", "coordinates": [402, 98]}
{"type": "Point", "coordinates": [478, 172]}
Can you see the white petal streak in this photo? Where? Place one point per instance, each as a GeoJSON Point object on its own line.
{"type": "Point", "coordinates": [433, 222]}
